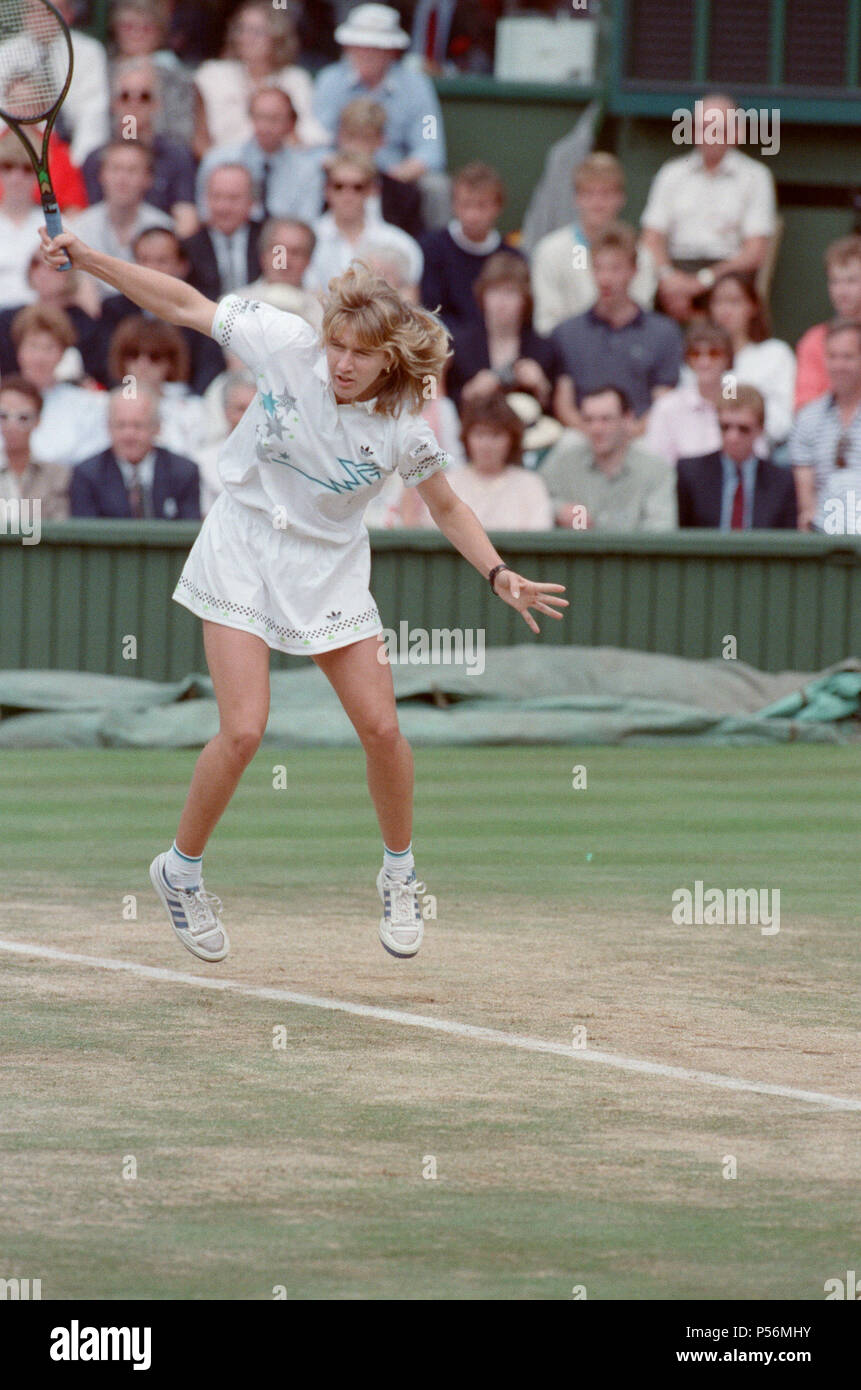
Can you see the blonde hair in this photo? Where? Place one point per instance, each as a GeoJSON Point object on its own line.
{"type": "Point", "coordinates": [600, 167]}
{"type": "Point", "coordinates": [415, 342]}
{"type": "Point", "coordinates": [282, 30]}
{"type": "Point", "coordinates": [352, 159]}
{"type": "Point", "coordinates": [362, 116]}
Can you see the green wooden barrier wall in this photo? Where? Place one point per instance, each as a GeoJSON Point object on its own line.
{"type": "Point", "coordinates": [792, 601]}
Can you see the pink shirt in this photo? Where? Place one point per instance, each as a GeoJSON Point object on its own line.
{"type": "Point", "coordinates": [811, 378]}
{"type": "Point", "coordinates": [682, 424]}
{"type": "Point", "coordinates": [514, 500]}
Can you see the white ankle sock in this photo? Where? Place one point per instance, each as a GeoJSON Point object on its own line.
{"type": "Point", "coordinates": [181, 869]}
{"type": "Point", "coordinates": [399, 862]}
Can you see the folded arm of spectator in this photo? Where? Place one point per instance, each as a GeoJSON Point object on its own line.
{"type": "Point", "coordinates": [529, 375]}
{"type": "Point", "coordinates": [565, 403]}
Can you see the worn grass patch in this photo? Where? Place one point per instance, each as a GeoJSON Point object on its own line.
{"type": "Point", "coordinates": [303, 1166]}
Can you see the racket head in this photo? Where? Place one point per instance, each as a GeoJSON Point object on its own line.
{"type": "Point", "coordinates": [36, 62]}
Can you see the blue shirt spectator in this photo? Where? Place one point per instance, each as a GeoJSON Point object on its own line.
{"type": "Point", "coordinates": [288, 177]}
{"type": "Point", "coordinates": [371, 39]}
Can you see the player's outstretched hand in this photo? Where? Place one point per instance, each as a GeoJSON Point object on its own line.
{"type": "Point", "coordinates": [524, 594]}
{"type": "Point", "coordinates": [57, 250]}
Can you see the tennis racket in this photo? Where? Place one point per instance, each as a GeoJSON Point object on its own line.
{"type": "Point", "coordinates": [36, 62]}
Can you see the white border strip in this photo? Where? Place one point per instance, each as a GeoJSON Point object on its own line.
{"type": "Point", "coordinates": [440, 1025]}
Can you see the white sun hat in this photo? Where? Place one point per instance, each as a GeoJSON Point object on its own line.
{"type": "Point", "coordinates": [372, 26]}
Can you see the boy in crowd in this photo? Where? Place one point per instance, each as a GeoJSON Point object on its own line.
{"type": "Point", "coordinates": [454, 255]}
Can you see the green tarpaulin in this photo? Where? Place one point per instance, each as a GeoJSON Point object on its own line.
{"type": "Point", "coordinates": [524, 694]}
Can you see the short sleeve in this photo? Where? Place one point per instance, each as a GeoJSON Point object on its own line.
{"type": "Point", "coordinates": [255, 331]}
{"type": "Point", "coordinates": [802, 440]}
{"type": "Point", "coordinates": [417, 451]}
{"type": "Point", "coordinates": [656, 214]}
{"type": "Point", "coordinates": [760, 213]}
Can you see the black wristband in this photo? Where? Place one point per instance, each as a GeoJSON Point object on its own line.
{"type": "Point", "coordinates": [493, 573]}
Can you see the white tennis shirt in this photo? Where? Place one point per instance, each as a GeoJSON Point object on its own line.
{"type": "Point", "coordinates": [309, 464]}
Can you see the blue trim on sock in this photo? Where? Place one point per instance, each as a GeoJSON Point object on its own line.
{"type": "Point", "coordinates": [189, 858]}
{"type": "Point", "coordinates": [394, 853]}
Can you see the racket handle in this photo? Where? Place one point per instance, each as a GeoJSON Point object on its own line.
{"type": "Point", "coordinates": [54, 225]}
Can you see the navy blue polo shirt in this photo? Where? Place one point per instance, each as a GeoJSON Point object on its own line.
{"type": "Point", "coordinates": [173, 176]}
{"type": "Point", "coordinates": [645, 353]}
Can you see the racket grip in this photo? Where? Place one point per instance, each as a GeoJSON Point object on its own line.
{"type": "Point", "coordinates": [54, 225]}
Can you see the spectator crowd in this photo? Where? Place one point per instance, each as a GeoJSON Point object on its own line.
{"type": "Point", "coordinates": [608, 377]}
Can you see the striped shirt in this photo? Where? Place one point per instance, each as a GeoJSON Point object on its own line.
{"type": "Point", "coordinates": [819, 437]}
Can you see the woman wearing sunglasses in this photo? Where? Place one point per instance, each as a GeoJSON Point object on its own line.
{"type": "Point", "coordinates": [683, 423]}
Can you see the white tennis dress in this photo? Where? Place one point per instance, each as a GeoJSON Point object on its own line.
{"type": "Point", "coordinates": [284, 551]}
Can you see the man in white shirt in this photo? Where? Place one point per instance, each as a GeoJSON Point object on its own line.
{"type": "Point", "coordinates": [112, 225]}
{"type": "Point", "coordinates": [709, 212]}
{"type": "Point", "coordinates": [563, 282]}
{"type": "Point", "coordinates": [341, 233]}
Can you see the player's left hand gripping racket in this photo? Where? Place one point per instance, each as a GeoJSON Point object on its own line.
{"type": "Point", "coordinates": [36, 63]}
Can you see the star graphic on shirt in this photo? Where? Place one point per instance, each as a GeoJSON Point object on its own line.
{"type": "Point", "coordinates": [275, 426]}
{"type": "Point", "coordinates": [286, 401]}
{"type": "Point", "coordinates": [268, 401]}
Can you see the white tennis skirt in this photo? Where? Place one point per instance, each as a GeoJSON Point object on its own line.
{"type": "Point", "coordinates": [300, 596]}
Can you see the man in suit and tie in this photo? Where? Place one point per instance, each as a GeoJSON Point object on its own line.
{"type": "Point", "coordinates": [134, 478]}
{"type": "Point", "coordinates": [732, 489]}
{"type": "Point", "coordinates": [223, 254]}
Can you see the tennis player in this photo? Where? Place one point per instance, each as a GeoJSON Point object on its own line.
{"type": "Point", "coordinates": [282, 559]}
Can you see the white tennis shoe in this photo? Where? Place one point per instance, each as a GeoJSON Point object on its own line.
{"type": "Point", "coordinates": [401, 925]}
{"type": "Point", "coordinates": [193, 914]}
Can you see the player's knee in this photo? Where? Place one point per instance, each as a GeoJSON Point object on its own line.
{"type": "Point", "coordinates": [243, 738]}
{"type": "Point", "coordinates": [383, 734]}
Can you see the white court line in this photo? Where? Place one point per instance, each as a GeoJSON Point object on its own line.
{"type": "Point", "coordinates": [440, 1025]}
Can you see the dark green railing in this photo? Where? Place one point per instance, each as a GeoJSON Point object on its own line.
{"type": "Point", "coordinates": [791, 601]}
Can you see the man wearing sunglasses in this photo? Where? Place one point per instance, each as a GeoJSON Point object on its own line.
{"type": "Point", "coordinates": [341, 232]}
{"type": "Point", "coordinates": [732, 489]}
{"type": "Point", "coordinates": [136, 101]}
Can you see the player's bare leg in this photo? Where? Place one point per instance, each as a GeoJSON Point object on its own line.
{"type": "Point", "coordinates": [239, 665]}
{"type": "Point", "coordinates": [363, 684]}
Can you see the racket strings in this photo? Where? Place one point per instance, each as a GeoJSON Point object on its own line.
{"type": "Point", "coordinates": [34, 59]}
